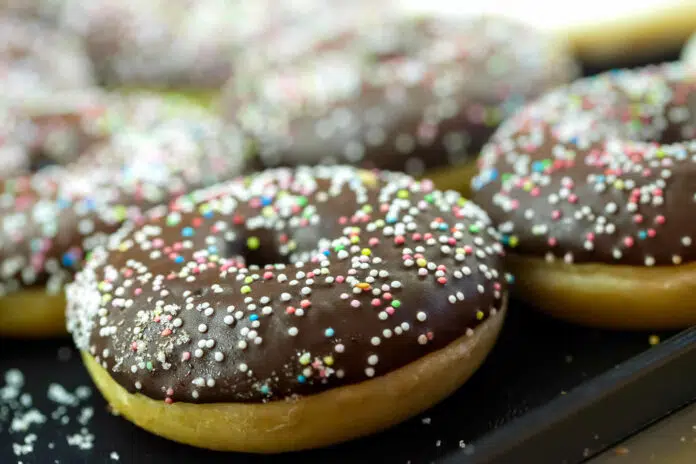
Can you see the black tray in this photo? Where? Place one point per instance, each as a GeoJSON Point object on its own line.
{"type": "Point", "coordinates": [549, 392]}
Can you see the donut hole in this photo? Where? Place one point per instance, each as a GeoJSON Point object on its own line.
{"type": "Point", "coordinates": [256, 248]}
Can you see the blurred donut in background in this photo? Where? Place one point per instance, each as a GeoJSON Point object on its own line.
{"type": "Point", "coordinates": [403, 93]}
{"type": "Point", "coordinates": [178, 44]}
{"type": "Point", "coordinates": [601, 33]}
{"type": "Point", "coordinates": [37, 58]}
{"type": "Point", "coordinates": [123, 156]}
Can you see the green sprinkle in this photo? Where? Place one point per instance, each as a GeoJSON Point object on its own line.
{"type": "Point", "coordinates": [396, 304]}
{"type": "Point", "coordinates": [253, 243]}
{"type": "Point", "coordinates": [246, 289]}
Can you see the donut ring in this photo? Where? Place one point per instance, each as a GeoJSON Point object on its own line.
{"type": "Point", "coordinates": [419, 95]}
{"type": "Point", "coordinates": [590, 187]}
{"type": "Point", "coordinates": [139, 153]}
{"type": "Point", "coordinates": [35, 58]}
{"type": "Point", "coordinates": [283, 307]}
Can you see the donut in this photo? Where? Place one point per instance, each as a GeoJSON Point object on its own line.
{"type": "Point", "coordinates": [413, 94]}
{"type": "Point", "coordinates": [292, 309]}
{"type": "Point", "coordinates": [136, 153]}
{"type": "Point", "coordinates": [601, 33]}
{"type": "Point", "coordinates": [35, 57]}
{"type": "Point", "coordinates": [591, 187]}
{"type": "Point", "coordinates": [128, 39]}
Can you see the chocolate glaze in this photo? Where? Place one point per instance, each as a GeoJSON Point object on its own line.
{"type": "Point", "coordinates": [403, 93]}
{"type": "Point", "coordinates": [382, 270]}
{"type": "Point", "coordinates": [35, 57]}
{"type": "Point", "coordinates": [140, 151]}
{"type": "Point", "coordinates": [603, 170]}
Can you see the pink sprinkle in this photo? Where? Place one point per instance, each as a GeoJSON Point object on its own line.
{"type": "Point", "coordinates": [166, 332]}
{"type": "Point", "coordinates": [168, 400]}
{"type": "Point", "coordinates": [417, 237]}
{"type": "Point", "coordinates": [376, 302]}
{"type": "Point", "coordinates": [638, 218]}
{"type": "Point", "coordinates": [552, 241]}
{"type": "Point", "coordinates": [572, 198]}
{"type": "Point", "coordinates": [399, 240]}
{"type": "Point", "coordinates": [660, 219]}
{"type": "Point", "coordinates": [134, 346]}
{"type": "Point", "coordinates": [535, 192]}
{"type": "Point", "coordinates": [390, 311]}
{"type": "Point", "coordinates": [185, 356]}
{"type": "Point", "coordinates": [651, 232]}
{"type": "Point", "coordinates": [387, 296]}
{"type": "Point", "coordinates": [442, 280]}
{"type": "Point", "coordinates": [556, 214]}
{"type": "Point", "coordinates": [340, 279]}
{"type": "Point", "coordinates": [305, 303]}
{"type": "Point", "coordinates": [355, 303]}
{"type": "Point", "coordinates": [267, 275]}
{"type": "Point", "coordinates": [170, 391]}
{"type": "Point", "coordinates": [590, 236]}
{"type": "Point", "coordinates": [138, 291]}
{"type": "Point", "coordinates": [373, 241]}
{"type": "Point", "coordinates": [628, 241]}
{"type": "Point", "coordinates": [290, 310]}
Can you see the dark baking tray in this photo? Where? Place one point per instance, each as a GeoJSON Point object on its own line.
{"type": "Point", "coordinates": [549, 392]}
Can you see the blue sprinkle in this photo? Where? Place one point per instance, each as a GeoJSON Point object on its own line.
{"type": "Point", "coordinates": [212, 249]}
{"type": "Point", "coordinates": [208, 214]}
{"type": "Point", "coordinates": [265, 201]}
{"type": "Point", "coordinates": [443, 226]}
{"type": "Point", "coordinates": [537, 166]}
{"type": "Point", "coordinates": [68, 259]}
{"type": "Point", "coordinates": [187, 232]}
{"type": "Point", "coordinates": [179, 259]}
{"type": "Point", "coordinates": [301, 378]}
{"type": "Point", "coordinates": [326, 253]}
{"type": "Point", "coordinates": [265, 390]}
{"type": "Point", "coordinates": [254, 317]}
{"type": "Point", "coordinates": [329, 332]}
{"type": "Point", "coordinates": [391, 219]}
{"type": "Point", "coordinates": [642, 235]}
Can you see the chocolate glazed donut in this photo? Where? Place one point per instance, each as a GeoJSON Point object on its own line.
{"type": "Point", "coordinates": [592, 188]}
{"type": "Point", "coordinates": [405, 94]}
{"type": "Point", "coordinates": [134, 153]}
{"type": "Point", "coordinates": [292, 309]}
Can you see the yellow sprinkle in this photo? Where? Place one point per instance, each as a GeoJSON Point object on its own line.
{"type": "Point", "coordinates": [421, 262]}
{"type": "Point", "coordinates": [328, 360]}
{"type": "Point", "coordinates": [366, 252]}
{"type": "Point", "coordinates": [513, 241]}
{"type": "Point", "coordinates": [123, 247]}
{"type": "Point", "coordinates": [305, 359]}
{"type": "Point", "coordinates": [354, 239]}
{"type": "Point", "coordinates": [619, 184]}
{"type": "Point", "coordinates": [363, 285]}
{"type": "Point", "coordinates": [268, 211]}
{"type": "Point", "coordinates": [653, 340]}
{"type": "Point", "coordinates": [106, 298]}
{"type": "Point", "coordinates": [479, 315]}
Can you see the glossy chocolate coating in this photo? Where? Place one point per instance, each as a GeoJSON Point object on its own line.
{"type": "Point", "coordinates": [139, 153]}
{"type": "Point", "coordinates": [603, 170]}
{"type": "Point", "coordinates": [406, 94]}
{"type": "Point", "coordinates": [196, 304]}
